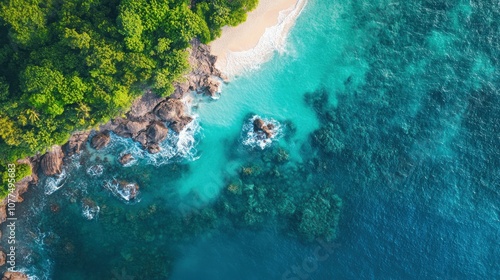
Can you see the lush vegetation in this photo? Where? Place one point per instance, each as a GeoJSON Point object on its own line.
{"type": "Point", "coordinates": [69, 65]}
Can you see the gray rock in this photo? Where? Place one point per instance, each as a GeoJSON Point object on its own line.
{"type": "Point", "coordinates": [156, 133]}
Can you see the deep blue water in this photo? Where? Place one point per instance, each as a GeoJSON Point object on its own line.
{"type": "Point", "coordinates": [395, 104]}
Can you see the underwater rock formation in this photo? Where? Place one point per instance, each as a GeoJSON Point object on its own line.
{"type": "Point", "coordinates": [318, 215]}
{"type": "Point", "coordinates": [266, 192]}
{"type": "Point", "coordinates": [329, 138]}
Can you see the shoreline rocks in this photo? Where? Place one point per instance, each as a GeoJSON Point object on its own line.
{"type": "Point", "coordinates": [52, 162]}
{"type": "Point", "coordinates": [172, 111]}
{"type": "Point", "coordinates": [100, 140]}
{"type": "Point", "coordinates": [146, 111]}
{"type": "Point", "coordinates": [16, 275]}
{"type": "Point", "coordinates": [76, 143]}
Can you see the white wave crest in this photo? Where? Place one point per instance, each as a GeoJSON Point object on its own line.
{"type": "Point", "coordinates": [273, 39]}
{"type": "Point", "coordinates": [95, 170]}
{"type": "Point", "coordinates": [175, 147]}
{"type": "Point", "coordinates": [129, 192]}
{"type": "Point", "coordinates": [90, 211]}
{"type": "Point", "coordinates": [53, 184]}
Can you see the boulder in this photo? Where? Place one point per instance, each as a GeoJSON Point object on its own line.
{"type": "Point", "coordinates": [100, 140]}
{"type": "Point", "coordinates": [211, 86]}
{"type": "Point", "coordinates": [260, 126]}
{"type": "Point", "coordinates": [172, 111]}
{"type": "Point", "coordinates": [76, 142]}
{"type": "Point", "coordinates": [14, 275]}
{"type": "Point", "coordinates": [142, 138]}
{"type": "Point", "coordinates": [143, 106]}
{"type": "Point", "coordinates": [130, 128]}
{"type": "Point", "coordinates": [126, 158]}
{"type": "Point", "coordinates": [52, 161]}
{"type": "Point", "coordinates": [134, 128]}
{"type": "Point", "coordinates": [181, 123]}
{"type": "Point", "coordinates": [156, 133]}
{"type": "Point", "coordinates": [154, 148]}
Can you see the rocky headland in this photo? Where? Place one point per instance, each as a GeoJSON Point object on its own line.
{"type": "Point", "coordinates": [148, 121]}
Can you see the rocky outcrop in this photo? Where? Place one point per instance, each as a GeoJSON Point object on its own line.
{"type": "Point", "coordinates": [141, 109]}
{"type": "Point", "coordinates": [156, 133]}
{"type": "Point", "coordinates": [146, 111]}
{"type": "Point", "coordinates": [173, 111]}
{"type": "Point", "coordinates": [123, 189]}
{"type": "Point", "coordinates": [126, 158]}
{"type": "Point", "coordinates": [260, 126]}
{"type": "Point", "coordinates": [76, 143]}
{"type": "Point", "coordinates": [100, 140]}
{"type": "Point", "coordinates": [142, 122]}
{"type": "Point", "coordinates": [52, 161]}
{"type": "Point", "coordinates": [204, 77]}
{"type": "Point", "coordinates": [16, 275]}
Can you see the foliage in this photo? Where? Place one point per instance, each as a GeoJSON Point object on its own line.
{"type": "Point", "coordinates": [21, 170]}
{"type": "Point", "coordinates": [68, 65]}
{"type": "Point", "coordinates": [219, 13]}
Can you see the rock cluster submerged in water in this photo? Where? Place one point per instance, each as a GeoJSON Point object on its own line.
{"type": "Point", "coordinates": [123, 189]}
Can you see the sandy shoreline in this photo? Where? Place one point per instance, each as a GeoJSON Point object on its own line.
{"type": "Point", "coordinates": [253, 42]}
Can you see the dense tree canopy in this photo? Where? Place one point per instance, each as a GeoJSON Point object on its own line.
{"type": "Point", "coordinates": [68, 65]}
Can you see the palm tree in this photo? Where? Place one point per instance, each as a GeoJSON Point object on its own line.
{"type": "Point", "coordinates": [33, 116]}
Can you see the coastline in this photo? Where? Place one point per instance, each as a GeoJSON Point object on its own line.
{"type": "Point", "coordinates": [225, 57]}
{"type": "Point", "coordinates": [248, 45]}
{"type": "Point", "coordinates": [144, 123]}
{"type": "Point", "coordinates": [210, 65]}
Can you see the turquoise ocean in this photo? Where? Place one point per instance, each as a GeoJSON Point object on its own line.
{"type": "Point", "coordinates": [395, 105]}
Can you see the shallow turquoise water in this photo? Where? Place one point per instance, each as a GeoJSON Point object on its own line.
{"type": "Point", "coordinates": [406, 100]}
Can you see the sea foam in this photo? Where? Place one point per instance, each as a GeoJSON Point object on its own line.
{"type": "Point", "coordinates": [273, 39]}
{"type": "Point", "coordinates": [254, 139]}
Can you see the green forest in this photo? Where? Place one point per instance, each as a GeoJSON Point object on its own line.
{"type": "Point", "coordinates": [69, 65]}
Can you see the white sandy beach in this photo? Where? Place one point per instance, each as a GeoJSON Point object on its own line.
{"type": "Point", "coordinates": [253, 42]}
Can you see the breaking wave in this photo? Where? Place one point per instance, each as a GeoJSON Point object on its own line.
{"type": "Point", "coordinates": [53, 184]}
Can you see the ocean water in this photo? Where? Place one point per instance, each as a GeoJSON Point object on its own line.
{"type": "Point", "coordinates": [393, 105]}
